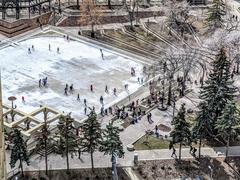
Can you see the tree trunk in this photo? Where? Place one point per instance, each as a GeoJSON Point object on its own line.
{"type": "Point", "coordinates": [109, 4]}
{"type": "Point", "coordinates": [131, 19]}
{"type": "Point", "coordinates": [180, 151]}
{"type": "Point", "coordinates": [66, 138]}
{"type": "Point", "coordinates": [21, 167]}
{"type": "Point", "coordinates": [45, 140]}
{"type": "Point", "coordinates": [46, 158]}
{"type": "Point", "coordinates": [199, 148]}
{"type": "Point", "coordinates": [137, 13]}
{"type": "Point", "coordinates": [183, 89]}
{"type": "Point", "coordinates": [92, 161]}
{"type": "Point", "coordinates": [114, 168]}
{"type": "Point", "coordinates": [237, 67]}
{"type": "Point", "coordinates": [169, 93]}
{"type": "Point", "coordinates": [227, 146]}
{"type": "Point", "coordinates": [78, 4]}
{"type": "Point", "coordinates": [92, 33]}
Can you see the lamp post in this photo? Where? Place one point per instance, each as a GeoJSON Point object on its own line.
{"type": "Point", "coordinates": [12, 99]}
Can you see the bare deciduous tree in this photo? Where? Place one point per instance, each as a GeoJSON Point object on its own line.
{"type": "Point", "coordinates": [90, 14]}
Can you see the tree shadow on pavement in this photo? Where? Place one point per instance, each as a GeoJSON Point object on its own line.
{"type": "Point", "coordinates": [200, 167]}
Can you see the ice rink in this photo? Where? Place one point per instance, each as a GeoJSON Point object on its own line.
{"type": "Point", "coordinates": [77, 63]}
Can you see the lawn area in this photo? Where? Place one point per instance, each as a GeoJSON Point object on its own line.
{"type": "Point", "coordinates": [152, 143]}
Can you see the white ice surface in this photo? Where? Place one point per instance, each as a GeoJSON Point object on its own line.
{"type": "Point", "coordinates": [77, 63]}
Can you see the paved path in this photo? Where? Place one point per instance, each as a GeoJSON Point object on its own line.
{"type": "Point", "coordinates": [128, 136]}
{"type": "Point", "coordinates": [205, 151]}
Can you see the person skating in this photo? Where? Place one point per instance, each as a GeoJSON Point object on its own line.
{"type": "Point", "coordinates": [106, 112]}
{"type": "Point", "coordinates": [102, 54]}
{"type": "Point", "coordinates": [65, 91]}
{"type": "Point", "coordinates": [29, 51]}
{"type": "Point", "coordinates": [101, 100]}
{"type": "Point", "coordinates": [85, 110]}
{"type": "Point", "coordinates": [71, 88]}
{"type": "Point", "coordinates": [49, 47]}
{"type": "Point", "coordinates": [85, 102]}
{"type": "Point", "coordinates": [66, 87]}
{"type": "Point", "coordinates": [115, 91]}
{"type": "Point", "coordinates": [132, 71]}
{"type": "Point", "coordinates": [33, 48]}
{"type": "Point", "coordinates": [106, 89]}
{"type": "Point", "coordinates": [102, 110]}
{"type": "Point", "coordinates": [45, 82]}
{"type": "Point", "coordinates": [78, 97]}
{"type": "Point", "coordinates": [40, 83]}
{"type": "Point", "coordinates": [110, 110]}
{"type": "Point", "coordinates": [126, 87]}
{"type": "Point", "coordinates": [23, 99]}
{"type": "Point", "coordinates": [58, 50]}
{"type": "Point", "coordinates": [91, 88]}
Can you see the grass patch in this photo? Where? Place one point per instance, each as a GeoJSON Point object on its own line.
{"type": "Point", "coordinates": [153, 143]}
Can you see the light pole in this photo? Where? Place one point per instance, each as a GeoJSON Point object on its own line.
{"type": "Point", "coordinates": [211, 171]}
{"type": "Point", "coordinates": [12, 99]}
{"type": "Point", "coordinates": [174, 104]}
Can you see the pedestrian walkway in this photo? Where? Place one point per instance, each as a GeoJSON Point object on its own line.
{"type": "Point", "coordinates": [205, 152]}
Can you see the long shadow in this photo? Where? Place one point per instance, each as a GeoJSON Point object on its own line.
{"type": "Point", "coordinates": [200, 167]}
{"type": "Point", "coordinates": [76, 174]}
{"type": "Point", "coordinates": [234, 165]}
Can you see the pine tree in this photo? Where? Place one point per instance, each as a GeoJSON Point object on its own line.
{"type": "Point", "coordinates": [19, 150]}
{"type": "Point", "coordinates": [216, 13]}
{"type": "Point", "coordinates": [181, 133]}
{"type": "Point", "coordinates": [68, 141]}
{"type": "Point", "coordinates": [112, 145]}
{"type": "Point", "coordinates": [218, 89]}
{"type": "Point", "coordinates": [44, 141]}
{"type": "Point", "coordinates": [203, 126]}
{"type": "Point", "coordinates": [92, 135]}
{"type": "Point", "coordinates": [227, 122]}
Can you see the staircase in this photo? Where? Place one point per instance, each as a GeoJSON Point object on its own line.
{"type": "Point", "coordinates": [54, 19]}
{"type": "Point", "coordinates": [197, 2]}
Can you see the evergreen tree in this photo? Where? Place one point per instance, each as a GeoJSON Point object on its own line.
{"type": "Point", "coordinates": [216, 13]}
{"type": "Point", "coordinates": [218, 89]}
{"type": "Point", "coordinates": [43, 142]}
{"type": "Point", "coordinates": [112, 145]}
{"type": "Point", "coordinates": [227, 122]}
{"type": "Point", "coordinates": [202, 127]}
{"type": "Point", "coordinates": [92, 136]}
{"type": "Point", "coordinates": [19, 150]}
{"type": "Point", "coordinates": [181, 133]}
{"type": "Point", "coordinates": [68, 141]}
